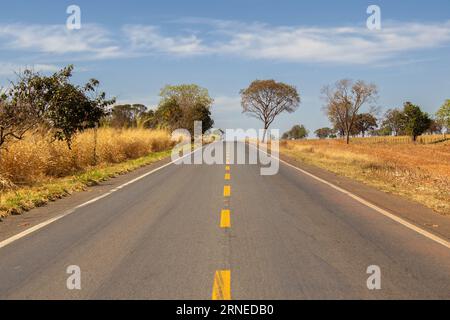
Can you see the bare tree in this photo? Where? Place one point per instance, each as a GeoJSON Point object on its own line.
{"type": "Point", "coordinates": [344, 101]}
{"type": "Point", "coordinates": [266, 99]}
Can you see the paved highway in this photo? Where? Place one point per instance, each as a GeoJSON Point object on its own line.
{"type": "Point", "coordinates": [218, 231]}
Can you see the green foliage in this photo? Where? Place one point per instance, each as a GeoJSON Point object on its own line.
{"type": "Point", "coordinates": [186, 96]}
{"type": "Point", "coordinates": [55, 103]}
{"type": "Point", "coordinates": [182, 105]}
{"type": "Point", "coordinates": [383, 131]}
{"type": "Point", "coordinates": [443, 115]}
{"type": "Point", "coordinates": [324, 133]}
{"type": "Point", "coordinates": [365, 122]}
{"type": "Point", "coordinates": [297, 132]}
{"type": "Point", "coordinates": [416, 121]}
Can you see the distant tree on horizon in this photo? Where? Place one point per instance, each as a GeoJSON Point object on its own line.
{"type": "Point", "coordinates": [266, 99]}
{"type": "Point", "coordinates": [297, 132]}
{"type": "Point", "coordinates": [443, 116]}
{"type": "Point", "coordinates": [344, 100]}
{"type": "Point", "coordinates": [416, 121]}
{"type": "Point", "coordinates": [324, 133]}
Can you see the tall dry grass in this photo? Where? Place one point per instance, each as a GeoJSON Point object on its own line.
{"type": "Point", "coordinates": [420, 172]}
{"type": "Point", "coordinates": [36, 159]}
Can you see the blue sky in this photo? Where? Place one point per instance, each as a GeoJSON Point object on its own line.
{"type": "Point", "coordinates": [136, 47]}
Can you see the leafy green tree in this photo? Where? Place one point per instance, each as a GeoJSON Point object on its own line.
{"type": "Point", "coordinates": [297, 132]}
{"type": "Point", "coordinates": [58, 105]}
{"type": "Point", "coordinates": [266, 99]}
{"type": "Point", "coordinates": [416, 121]}
{"type": "Point", "coordinates": [443, 116]}
{"type": "Point", "coordinates": [182, 105]}
{"type": "Point", "coordinates": [365, 122]}
{"type": "Point", "coordinates": [324, 133]}
{"type": "Point", "coordinates": [187, 96]}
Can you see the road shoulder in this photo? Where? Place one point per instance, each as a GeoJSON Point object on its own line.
{"type": "Point", "coordinates": [15, 224]}
{"type": "Point", "coordinates": [410, 211]}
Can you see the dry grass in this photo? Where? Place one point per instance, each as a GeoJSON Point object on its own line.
{"type": "Point", "coordinates": [420, 172]}
{"type": "Point", "coordinates": [34, 170]}
{"type": "Point", "coordinates": [424, 139]}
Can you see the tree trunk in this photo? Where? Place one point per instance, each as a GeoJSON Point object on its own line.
{"type": "Point", "coordinates": [264, 135]}
{"type": "Point", "coordinates": [348, 138]}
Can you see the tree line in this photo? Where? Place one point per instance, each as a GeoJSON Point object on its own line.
{"type": "Point", "coordinates": [54, 106]}
{"type": "Point", "coordinates": [344, 102]}
{"type": "Point", "coordinates": [408, 121]}
{"type": "Point", "coordinates": [179, 107]}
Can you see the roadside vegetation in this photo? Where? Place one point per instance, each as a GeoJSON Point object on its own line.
{"type": "Point", "coordinates": [403, 151]}
{"type": "Point", "coordinates": [36, 171]}
{"type": "Point", "coordinates": [420, 172]}
{"type": "Point", "coordinates": [57, 137]}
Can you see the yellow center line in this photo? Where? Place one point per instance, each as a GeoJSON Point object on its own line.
{"type": "Point", "coordinates": [227, 176]}
{"type": "Point", "coordinates": [226, 191]}
{"type": "Point", "coordinates": [222, 285]}
{"type": "Point", "coordinates": [225, 221]}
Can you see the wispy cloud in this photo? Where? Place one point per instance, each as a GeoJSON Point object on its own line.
{"type": "Point", "coordinates": [91, 40]}
{"type": "Point", "coordinates": [350, 45]}
{"type": "Point", "coordinates": [340, 44]}
{"type": "Point", "coordinates": [149, 38]}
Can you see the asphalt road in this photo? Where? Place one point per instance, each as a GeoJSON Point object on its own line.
{"type": "Point", "coordinates": [164, 236]}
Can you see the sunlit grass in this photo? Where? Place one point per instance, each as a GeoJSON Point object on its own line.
{"type": "Point", "coordinates": [420, 172]}
{"type": "Point", "coordinates": [35, 171]}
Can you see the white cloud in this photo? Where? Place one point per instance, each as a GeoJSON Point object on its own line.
{"type": "Point", "coordinates": [150, 38]}
{"type": "Point", "coordinates": [296, 44]}
{"type": "Point", "coordinates": [90, 40]}
{"type": "Point", "coordinates": [340, 44]}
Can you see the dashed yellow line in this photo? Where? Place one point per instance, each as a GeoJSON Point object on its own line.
{"type": "Point", "coordinates": [225, 219]}
{"type": "Point", "coordinates": [226, 191]}
{"type": "Point", "coordinates": [222, 285]}
{"type": "Point", "coordinates": [222, 278]}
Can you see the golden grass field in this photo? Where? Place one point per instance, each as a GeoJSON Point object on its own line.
{"type": "Point", "coordinates": [36, 170]}
{"type": "Point", "coordinates": [420, 172]}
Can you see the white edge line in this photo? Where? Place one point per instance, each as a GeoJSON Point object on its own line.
{"type": "Point", "coordinates": [41, 225]}
{"type": "Point", "coordinates": [386, 213]}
